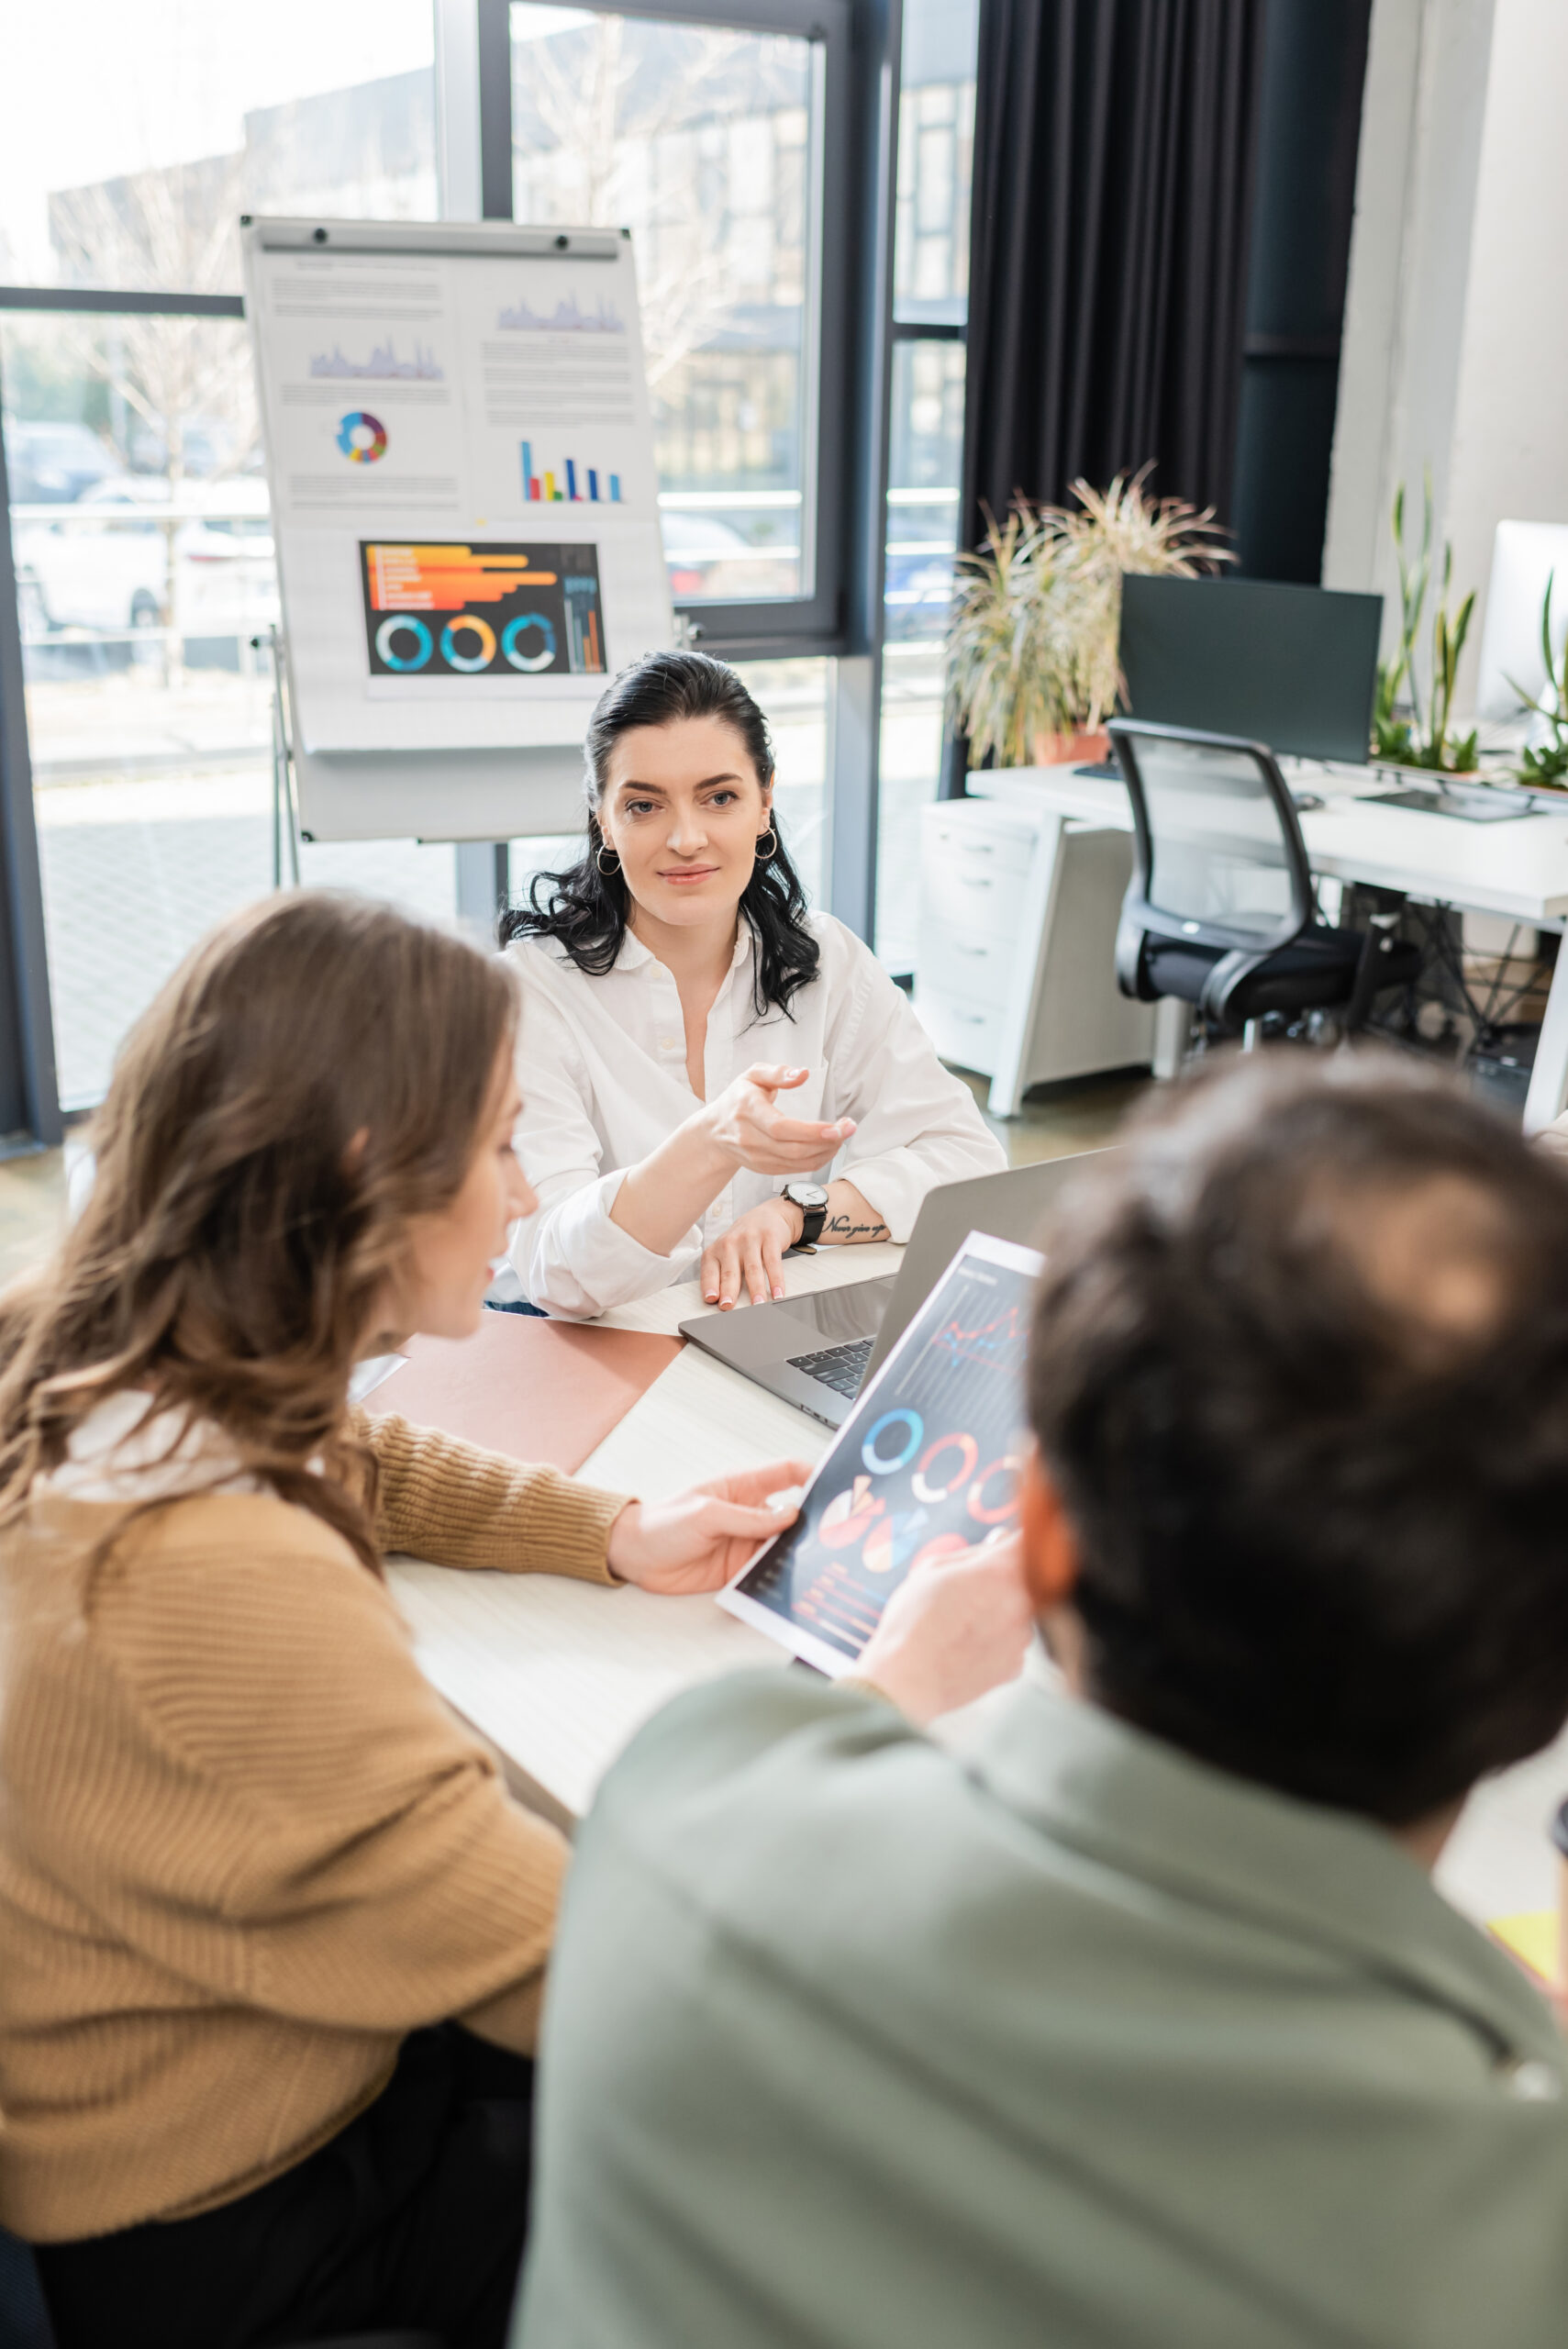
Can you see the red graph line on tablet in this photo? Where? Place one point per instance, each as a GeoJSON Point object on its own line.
{"type": "Point", "coordinates": [994, 1342]}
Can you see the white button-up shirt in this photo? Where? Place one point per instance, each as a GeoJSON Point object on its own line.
{"type": "Point", "coordinates": [602, 1068]}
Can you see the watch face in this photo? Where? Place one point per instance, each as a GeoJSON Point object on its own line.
{"type": "Point", "coordinates": [807, 1195]}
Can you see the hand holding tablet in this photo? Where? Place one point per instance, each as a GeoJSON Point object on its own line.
{"type": "Point", "coordinates": [952, 1631]}
{"type": "Point", "coordinates": [914, 1510]}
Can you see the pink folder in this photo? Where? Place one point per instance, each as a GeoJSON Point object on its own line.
{"type": "Point", "coordinates": [539, 1390]}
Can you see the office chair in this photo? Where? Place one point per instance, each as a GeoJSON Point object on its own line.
{"type": "Point", "coordinates": [1220, 910]}
{"type": "Point", "coordinates": [23, 2320]}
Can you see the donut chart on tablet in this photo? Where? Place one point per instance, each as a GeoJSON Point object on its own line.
{"type": "Point", "coordinates": [990, 1504]}
{"type": "Point", "coordinates": [937, 1477]}
{"type": "Point", "coordinates": [925, 1471]}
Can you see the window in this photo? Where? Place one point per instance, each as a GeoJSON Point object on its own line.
{"type": "Point", "coordinates": [926, 442]}
{"type": "Point", "coordinates": [140, 534]}
{"type": "Point", "coordinates": [132, 139]}
{"type": "Point", "coordinates": [708, 139]}
{"type": "Point", "coordinates": [730, 134]}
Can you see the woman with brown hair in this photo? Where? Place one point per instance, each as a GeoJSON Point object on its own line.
{"type": "Point", "coordinates": [272, 1933]}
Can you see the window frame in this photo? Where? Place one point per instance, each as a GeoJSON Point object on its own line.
{"type": "Point", "coordinates": [857, 52]}
{"type": "Point", "coordinates": [778, 627]}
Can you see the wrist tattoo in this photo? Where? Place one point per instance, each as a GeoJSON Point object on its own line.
{"type": "Point", "coordinates": [842, 1227]}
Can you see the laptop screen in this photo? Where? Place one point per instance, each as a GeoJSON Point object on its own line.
{"type": "Point", "coordinates": [925, 1467]}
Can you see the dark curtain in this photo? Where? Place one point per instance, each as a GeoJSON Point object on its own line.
{"type": "Point", "coordinates": [1112, 196]}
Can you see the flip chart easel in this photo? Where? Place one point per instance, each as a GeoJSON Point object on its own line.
{"type": "Point", "coordinates": [460, 451]}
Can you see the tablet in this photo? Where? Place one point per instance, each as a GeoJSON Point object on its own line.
{"type": "Point", "coordinates": [925, 1467]}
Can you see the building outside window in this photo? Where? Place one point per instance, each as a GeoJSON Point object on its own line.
{"type": "Point", "coordinates": [703, 142]}
{"type": "Point", "coordinates": [935, 134]}
{"type": "Point", "coordinates": [141, 530]}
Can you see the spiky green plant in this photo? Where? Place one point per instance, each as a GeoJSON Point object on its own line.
{"type": "Point", "coordinates": [1397, 733]}
{"type": "Point", "coordinates": [1031, 648]}
{"type": "Point", "coordinates": [1546, 768]}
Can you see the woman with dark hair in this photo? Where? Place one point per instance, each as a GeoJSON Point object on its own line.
{"type": "Point", "coordinates": [712, 1073]}
{"type": "Point", "coordinates": [273, 1933]}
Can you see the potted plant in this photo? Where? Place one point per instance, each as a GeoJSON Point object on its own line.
{"type": "Point", "coordinates": [1546, 768]}
{"type": "Point", "coordinates": [1400, 733]}
{"type": "Point", "coordinates": [1032, 666]}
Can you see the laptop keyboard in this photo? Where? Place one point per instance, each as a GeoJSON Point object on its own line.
{"type": "Point", "coordinates": [839, 1367]}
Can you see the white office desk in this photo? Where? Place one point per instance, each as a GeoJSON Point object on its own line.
{"type": "Point", "coordinates": [1518, 869]}
{"type": "Point", "coordinates": [558, 1674]}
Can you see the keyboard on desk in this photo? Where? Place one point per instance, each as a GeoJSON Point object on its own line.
{"type": "Point", "coordinates": [839, 1367]}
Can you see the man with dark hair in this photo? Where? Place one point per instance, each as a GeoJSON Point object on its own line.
{"type": "Point", "coordinates": [1140, 2026]}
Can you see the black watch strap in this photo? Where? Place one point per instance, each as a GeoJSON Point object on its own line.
{"type": "Point", "coordinates": [812, 1221]}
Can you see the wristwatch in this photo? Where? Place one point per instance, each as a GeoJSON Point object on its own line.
{"type": "Point", "coordinates": [812, 1201]}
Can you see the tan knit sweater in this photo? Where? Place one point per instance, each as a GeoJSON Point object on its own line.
{"type": "Point", "coordinates": [244, 1847]}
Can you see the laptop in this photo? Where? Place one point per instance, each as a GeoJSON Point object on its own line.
{"type": "Point", "coordinates": [818, 1351]}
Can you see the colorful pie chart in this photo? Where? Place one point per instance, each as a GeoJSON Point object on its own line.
{"type": "Point", "coordinates": [361, 438]}
{"type": "Point", "coordinates": [893, 1542]}
{"type": "Point", "coordinates": [848, 1514]}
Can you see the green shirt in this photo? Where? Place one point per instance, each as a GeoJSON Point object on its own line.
{"type": "Point", "coordinates": [1075, 2043]}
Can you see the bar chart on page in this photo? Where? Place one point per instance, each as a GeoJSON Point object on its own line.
{"type": "Point", "coordinates": [567, 481]}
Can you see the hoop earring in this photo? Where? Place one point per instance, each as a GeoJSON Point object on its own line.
{"type": "Point", "coordinates": [608, 870]}
{"type": "Point", "coordinates": [772, 850]}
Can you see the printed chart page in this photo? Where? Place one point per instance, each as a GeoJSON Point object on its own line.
{"type": "Point", "coordinates": [460, 452]}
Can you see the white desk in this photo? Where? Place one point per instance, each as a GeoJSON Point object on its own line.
{"type": "Point", "coordinates": [559, 1675]}
{"type": "Point", "coordinates": [1518, 869]}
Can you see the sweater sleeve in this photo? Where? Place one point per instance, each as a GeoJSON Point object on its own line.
{"type": "Point", "coordinates": [459, 1506]}
{"type": "Point", "coordinates": [309, 1831]}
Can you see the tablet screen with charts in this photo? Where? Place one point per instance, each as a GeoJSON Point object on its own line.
{"type": "Point", "coordinates": [925, 1467]}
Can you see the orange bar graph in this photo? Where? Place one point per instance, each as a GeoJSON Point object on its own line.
{"type": "Point", "coordinates": [447, 578]}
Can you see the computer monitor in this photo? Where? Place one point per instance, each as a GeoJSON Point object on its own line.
{"type": "Point", "coordinates": [1294, 667]}
{"type": "Point", "coordinates": [1525, 555]}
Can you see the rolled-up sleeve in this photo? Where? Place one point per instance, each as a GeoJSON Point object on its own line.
{"type": "Point", "coordinates": [917, 1124]}
{"type": "Point", "coordinates": [568, 1257]}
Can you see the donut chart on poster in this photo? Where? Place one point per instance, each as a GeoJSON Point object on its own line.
{"type": "Point", "coordinates": [512, 635]}
{"type": "Point", "coordinates": [468, 627]}
{"type": "Point", "coordinates": [361, 438]}
{"type": "Point", "coordinates": [404, 642]}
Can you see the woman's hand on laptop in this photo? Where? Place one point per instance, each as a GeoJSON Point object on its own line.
{"type": "Point", "coordinates": [701, 1539]}
{"type": "Point", "coordinates": [748, 1257]}
{"type": "Point", "coordinates": [953, 1631]}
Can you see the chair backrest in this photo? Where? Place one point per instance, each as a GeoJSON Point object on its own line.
{"type": "Point", "coordinates": [23, 2320]}
{"type": "Point", "coordinates": [1219, 858]}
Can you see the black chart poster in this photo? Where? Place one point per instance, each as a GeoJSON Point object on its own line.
{"type": "Point", "coordinates": [482, 611]}
{"type": "Point", "coordinates": [925, 1467]}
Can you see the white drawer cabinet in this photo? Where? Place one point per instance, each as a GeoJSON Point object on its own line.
{"type": "Point", "coordinates": [975, 964]}
{"type": "Point", "coordinates": [1016, 974]}
{"type": "Point", "coordinates": [972, 876]}
{"type": "Point", "coordinates": [967, 1033]}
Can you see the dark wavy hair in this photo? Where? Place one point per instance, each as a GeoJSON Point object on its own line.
{"type": "Point", "coordinates": [587, 910]}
